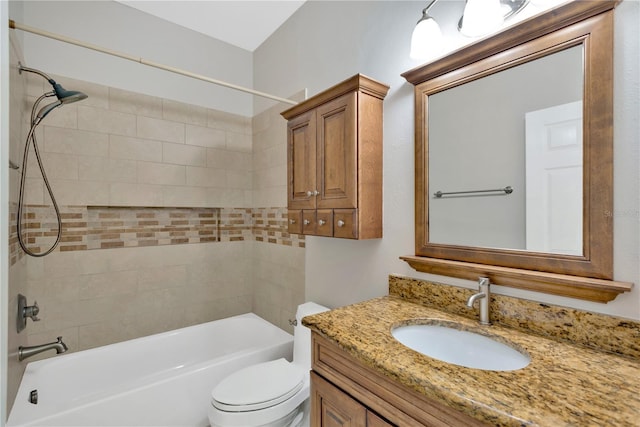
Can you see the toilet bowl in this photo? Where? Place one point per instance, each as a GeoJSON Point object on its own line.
{"type": "Point", "coordinates": [268, 394]}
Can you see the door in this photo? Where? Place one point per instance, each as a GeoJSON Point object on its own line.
{"type": "Point", "coordinates": [337, 153]}
{"type": "Point", "coordinates": [331, 407]}
{"type": "Point", "coordinates": [301, 158]}
{"type": "Point", "coordinates": [554, 175]}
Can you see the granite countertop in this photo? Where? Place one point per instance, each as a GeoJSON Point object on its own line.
{"type": "Point", "coordinates": [564, 385]}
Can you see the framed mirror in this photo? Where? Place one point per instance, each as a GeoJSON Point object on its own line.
{"type": "Point", "coordinates": [514, 156]}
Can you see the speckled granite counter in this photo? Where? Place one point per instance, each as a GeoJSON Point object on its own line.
{"type": "Point", "coordinates": [564, 385]}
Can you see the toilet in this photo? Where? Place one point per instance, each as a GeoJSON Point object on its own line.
{"type": "Point", "coordinates": [268, 394]}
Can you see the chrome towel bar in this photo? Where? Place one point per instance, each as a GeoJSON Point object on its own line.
{"type": "Point", "coordinates": [506, 190]}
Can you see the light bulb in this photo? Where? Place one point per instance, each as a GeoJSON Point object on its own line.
{"type": "Point", "coordinates": [481, 17]}
{"type": "Point", "coordinates": [426, 40]}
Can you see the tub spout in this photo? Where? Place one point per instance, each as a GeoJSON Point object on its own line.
{"type": "Point", "coordinates": [25, 352]}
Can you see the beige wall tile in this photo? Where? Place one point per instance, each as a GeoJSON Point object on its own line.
{"type": "Point", "coordinates": [270, 157]}
{"type": "Point", "coordinates": [161, 174]}
{"type": "Point", "coordinates": [206, 177]}
{"type": "Point", "coordinates": [240, 180]}
{"type": "Point", "coordinates": [58, 166]}
{"type": "Point", "coordinates": [106, 121]}
{"type": "Point", "coordinates": [184, 113]}
{"type": "Point", "coordinates": [72, 141]}
{"type": "Point", "coordinates": [109, 283]}
{"type": "Point", "coordinates": [122, 147]}
{"type": "Point", "coordinates": [205, 137]}
{"type": "Point", "coordinates": [124, 194]}
{"type": "Point", "coordinates": [186, 196]}
{"type": "Point", "coordinates": [135, 103]}
{"type": "Point", "coordinates": [270, 177]}
{"type": "Point", "coordinates": [73, 192]}
{"type": "Point", "coordinates": [104, 169]}
{"type": "Point", "coordinates": [160, 130]}
{"type": "Point", "coordinates": [162, 277]}
{"type": "Point", "coordinates": [184, 154]}
{"type": "Point", "coordinates": [228, 198]}
{"type": "Point", "coordinates": [238, 142]}
{"type": "Point", "coordinates": [106, 332]}
{"type": "Point", "coordinates": [229, 122]}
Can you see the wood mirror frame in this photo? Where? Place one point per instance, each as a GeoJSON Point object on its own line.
{"type": "Point", "coordinates": [589, 277]}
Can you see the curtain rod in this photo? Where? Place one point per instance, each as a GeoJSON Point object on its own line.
{"type": "Point", "coordinates": [18, 26]}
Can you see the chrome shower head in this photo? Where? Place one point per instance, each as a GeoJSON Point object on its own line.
{"type": "Point", "coordinates": [46, 110]}
{"type": "Point", "coordinates": [67, 96]}
{"type": "Point", "coordinates": [64, 96]}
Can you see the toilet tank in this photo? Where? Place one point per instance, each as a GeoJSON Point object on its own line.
{"type": "Point", "coordinates": [302, 334]}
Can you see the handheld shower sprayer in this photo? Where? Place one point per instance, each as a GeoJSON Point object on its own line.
{"type": "Point", "coordinates": [64, 97]}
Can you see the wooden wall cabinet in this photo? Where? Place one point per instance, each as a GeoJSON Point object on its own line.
{"type": "Point", "coordinates": [334, 161]}
{"type": "Point", "coordinates": [344, 392]}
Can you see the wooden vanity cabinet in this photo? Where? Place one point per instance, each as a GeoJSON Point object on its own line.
{"type": "Point", "coordinates": [345, 392]}
{"type": "Point", "coordinates": [334, 161]}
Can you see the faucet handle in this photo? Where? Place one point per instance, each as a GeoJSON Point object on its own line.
{"type": "Point", "coordinates": [31, 311]}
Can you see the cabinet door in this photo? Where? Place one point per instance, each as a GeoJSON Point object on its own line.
{"type": "Point", "coordinates": [301, 158]}
{"type": "Point", "coordinates": [331, 407]}
{"type": "Point", "coordinates": [337, 153]}
{"type": "Point", "coordinates": [375, 421]}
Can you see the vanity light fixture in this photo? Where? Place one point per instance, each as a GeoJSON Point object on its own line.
{"type": "Point", "coordinates": [426, 40]}
{"type": "Point", "coordinates": [482, 17]}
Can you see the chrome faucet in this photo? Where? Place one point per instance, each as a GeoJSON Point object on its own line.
{"type": "Point", "coordinates": [485, 297]}
{"type": "Point", "coordinates": [25, 352]}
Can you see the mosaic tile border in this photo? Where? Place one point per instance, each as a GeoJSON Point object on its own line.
{"type": "Point", "coordinates": [598, 331]}
{"type": "Point", "coordinates": [106, 227]}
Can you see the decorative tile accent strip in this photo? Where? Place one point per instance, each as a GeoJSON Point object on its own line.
{"type": "Point", "coordinates": [104, 227]}
{"type": "Point", "coordinates": [271, 225]}
{"type": "Point", "coordinates": [593, 330]}
{"type": "Point", "coordinates": [15, 252]}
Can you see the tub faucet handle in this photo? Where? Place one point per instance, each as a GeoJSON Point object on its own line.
{"type": "Point", "coordinates": [31, 311]}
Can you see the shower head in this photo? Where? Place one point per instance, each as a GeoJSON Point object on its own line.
{"type": "Point", "coordinates": [67, 96]}
{"type": "Point", "coordinates": [47, 109]}
{"type": "Point", "coordinates": [64, 96]}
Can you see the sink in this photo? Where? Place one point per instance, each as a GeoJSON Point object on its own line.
{"type": "Point", "coordinates": [446, 342]}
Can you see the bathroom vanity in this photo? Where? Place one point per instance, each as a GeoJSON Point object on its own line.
{"type": "Point", "coordinates": [362, 376]}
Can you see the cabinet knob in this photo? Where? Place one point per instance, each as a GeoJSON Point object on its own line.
{"type": "Point", "coordinates": [322, 222]}
{"type": "Point", "coordinates": [340, 223]}
{"type": "Point", "coordinates": [316, 192]}
{"type": "Point", "coordinates": [312, 193]}
{"type": "Point", "coordinates": [292, 221]}
{"type": "Point", "coordinates": [306, 222]}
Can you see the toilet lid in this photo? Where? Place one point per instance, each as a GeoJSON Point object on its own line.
{"type": "Point", "coordinates": [258, 386]}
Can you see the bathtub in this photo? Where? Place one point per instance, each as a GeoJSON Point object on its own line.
{"type": "Point", "coordinates": [159, 380]}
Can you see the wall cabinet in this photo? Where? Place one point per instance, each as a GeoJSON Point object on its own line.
{"type": "Point", "coordinates": [334, 161]}
{"type": "Point", "coordinates": [345, 392]}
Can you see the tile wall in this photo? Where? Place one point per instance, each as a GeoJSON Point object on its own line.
{"type": "Point", "coordinates": [160, 230]}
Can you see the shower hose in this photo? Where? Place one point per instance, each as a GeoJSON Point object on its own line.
{"type": "Point", "coordinates": [31, 139]}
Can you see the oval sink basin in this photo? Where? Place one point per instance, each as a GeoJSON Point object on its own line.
{"type": "Point", "coordinates": [449, 344]}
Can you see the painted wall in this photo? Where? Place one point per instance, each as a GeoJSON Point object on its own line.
{"type": "Point", "coordinates": [326, 42]}
{"type": "Point", "coordinates": [124, 29]}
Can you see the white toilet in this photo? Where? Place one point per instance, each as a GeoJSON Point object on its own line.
{"type": "Point", "coordinates": [269, 394]}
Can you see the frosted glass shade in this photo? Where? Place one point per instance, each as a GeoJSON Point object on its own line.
{"type": "Point", "coordinates": [426, 41]}
{"type": "Point", "coordinates": [481, 17]}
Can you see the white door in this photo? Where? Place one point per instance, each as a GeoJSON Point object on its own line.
{"type": "Point", "coordinates": [554, 179]}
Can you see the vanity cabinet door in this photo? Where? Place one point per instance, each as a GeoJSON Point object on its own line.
{"type": "Point", "coordinates": [331, 407]}
{"type": "Point", "coordinates": [375, 421]}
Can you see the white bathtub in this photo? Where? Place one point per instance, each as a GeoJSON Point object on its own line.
{"type": "Point", "coordinates": [159, 380]}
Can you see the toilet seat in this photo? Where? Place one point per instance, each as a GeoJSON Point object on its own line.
{"type": "Point", "coordinates": [258, 386]}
